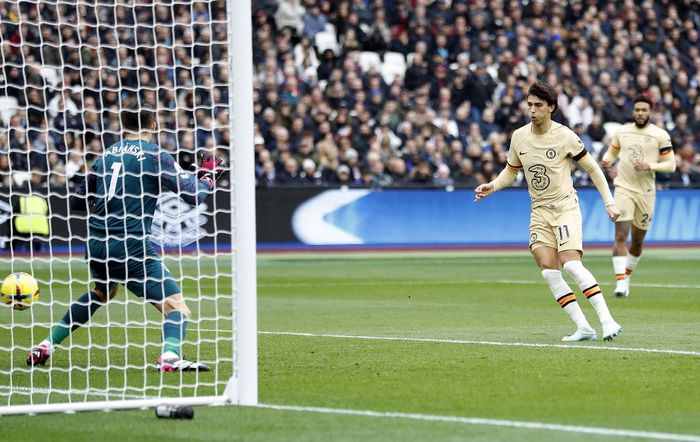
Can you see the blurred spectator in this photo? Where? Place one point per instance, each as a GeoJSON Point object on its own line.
{"type": "Point", "coordinates": [584, 137]}
{"type": "Point", "coordinates": [267, 176]}
{"type": "Point", "coordinates": [309, 175]}
{"type": "Point", "coordinates": [580, 112]}
{"type": "Point", "coordinates": [445, 85]}
{"type": "Point", "coordinates": [57, 178]}
{"type": "Point", "coordinates": [685, 176]}
{"type": "Point", "coordinates": [595, 130]}
{"type": "Point", "coordinates": [290, 14]}
{"type": "Point", "coordinates": [465, 174]}
{"type": "Point", "coordinates": [305, 56]}
{"type": "Point", "coordinates": [289, 174]}
{"type": "Point", "coordinates": [421, 173]}
{"type": "Point", "coordinates": [442, 177]}
{"type": "Point", "coordinates": [314, 21]}
{"type": "Point", "coordinates": [396, 168]}
{"type": "Point", "coordinates": [344, 178]}
{"type": "Point", "coordinates": [5, 173]}
{"type": "Point", "coordinates": [487, 173]}
{"type": "Point", "coordinates": [75, 166]}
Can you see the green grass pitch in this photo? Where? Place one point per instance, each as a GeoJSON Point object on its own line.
{"type": "Point", "coordinates": [381, 346]}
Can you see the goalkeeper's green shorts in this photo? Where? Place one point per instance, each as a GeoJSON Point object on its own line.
{"type": "Point", "coordinates": [132, 262]}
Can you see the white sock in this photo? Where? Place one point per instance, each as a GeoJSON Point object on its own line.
{"type": "Point", "coordinates": [619, 263]}
{"type": "Point", "coordinates": [169, 355]}
{"type": "Point", "coordinates": [565, 297]}
{"type": "Point", "coordinates": [589, 286]}
{"type": "Point", "coordinates": [631, 264]}
{"type": "Point", "coordinates": [46, 343]}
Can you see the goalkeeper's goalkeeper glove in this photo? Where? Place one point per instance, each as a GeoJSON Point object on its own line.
{"type": "Point", "coordinates": [210, 169]}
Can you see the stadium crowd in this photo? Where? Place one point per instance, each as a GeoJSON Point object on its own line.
{"type": "Point", "coordinates": [69, 67]}
{"type": "Point", "coordinates": [365, 93]}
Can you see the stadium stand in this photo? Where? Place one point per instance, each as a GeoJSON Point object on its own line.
{"type": "Point", "coordinates": [410, 86]}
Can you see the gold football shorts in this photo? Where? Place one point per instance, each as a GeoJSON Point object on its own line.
{"type": "Point", "coordinates": [558, 226]}
{"type": "Point", "coordinates": [635, 207]}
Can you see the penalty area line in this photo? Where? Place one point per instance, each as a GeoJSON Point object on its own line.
{"type": "Point", "coordinates": [488, 343]}
{"type": "Point", "coordinates": [490, 422]}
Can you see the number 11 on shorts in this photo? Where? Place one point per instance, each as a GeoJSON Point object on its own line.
{"type": "Point", "coordinates": [563, 234]}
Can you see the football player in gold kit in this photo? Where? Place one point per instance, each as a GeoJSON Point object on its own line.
{"type": "Point", "coordinates": [544, 150]}
{"type": "Point", "coordinates": [643, 149]}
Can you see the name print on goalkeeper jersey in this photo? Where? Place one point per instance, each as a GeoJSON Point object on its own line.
{"type": "Point", "coordinates": [124, 185]}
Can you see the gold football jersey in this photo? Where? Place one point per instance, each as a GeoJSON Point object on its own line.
{"type": "Point", "coordinates": [546, 161]}
{"type": "Point", "coordinates": [634, 144]}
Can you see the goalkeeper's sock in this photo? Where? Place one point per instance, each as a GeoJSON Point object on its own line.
{"type": "Point", "coordinates": [174, 330]}
{"type": "Point", "coordinates": [589, 286]}
{"type": "Point", "coordinates": [78, 314]}
{"type": "Point", "coordinates": [565, 297]}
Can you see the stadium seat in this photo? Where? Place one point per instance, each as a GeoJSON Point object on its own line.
{"type": "Point", "coordinates": [409, 59]}
{"type": "Point", "coordinates": [395, 58]}
{"type": "Point", "coordinates": [597, 148]}
{"type": "Point", "coordinates": [50, 75]}
{"type": "Point", "coordinates": [394, 64]}
{"type": "Point", "coordinates": [20, 178]}
{"type": "Point", "coordinates": [330, 28]}
{"type": "Point", "coordinates": [368, 60]}
{"type": "Point", "coordinates": [8, 108]}
{"type": "Point", "coordinates": [610, 128]}
{"type": "Point", "coordinates": [326, 40]}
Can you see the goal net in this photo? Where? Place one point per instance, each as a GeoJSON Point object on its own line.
{"type": "Point", "coordinates": [68, 69]}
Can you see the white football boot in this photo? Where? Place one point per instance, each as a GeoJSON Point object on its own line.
{"type": "Point", "coordinates": [171, 362]}
{"type": "Point", "coordinates": [581, 334]}
{"type": "Point", "coordinates": [611, 329]}
{"type": "Point", "coordinates": [622, 289]}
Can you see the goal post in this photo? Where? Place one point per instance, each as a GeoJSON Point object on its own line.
{"type": "Point", "coordinates": [246, 338]}
{"type": "Point", "coordinates": [204, 101]}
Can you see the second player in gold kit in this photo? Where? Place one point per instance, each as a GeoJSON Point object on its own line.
{"type": "Point", "coordinates": [544, 150]}
{"type": "Point", "coordinates": [642, 149]}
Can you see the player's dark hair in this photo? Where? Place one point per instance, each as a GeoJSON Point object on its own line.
{"type": "Point", "coordinates": [545, 92]}
{"type": "Point", "coordinates": [643, 99]}
{"type": "Point", "coordinates": [137, 117]}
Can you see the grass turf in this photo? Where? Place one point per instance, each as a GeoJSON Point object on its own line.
{"type": "Point", "coordinates": [473, 299]}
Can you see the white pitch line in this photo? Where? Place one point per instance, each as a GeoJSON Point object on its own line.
{"type": "Point", "coordinates": [492, 422]}
{"type": "Point", "coordinates": [459, 341]}
{"type": "Point", "coordinates": [490, 343]}
{"type": "Point", "coordinates": [435, 418]}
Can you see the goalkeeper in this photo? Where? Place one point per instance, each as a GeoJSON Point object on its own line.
{"type": "Point", "coordinates": [120, 195]}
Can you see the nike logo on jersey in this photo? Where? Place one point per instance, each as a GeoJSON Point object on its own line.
{"type": "Point", "coordinates": [522, 153]}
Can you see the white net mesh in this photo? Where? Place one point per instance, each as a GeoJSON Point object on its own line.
{"type": "Point", "coordinates": [69, 67]}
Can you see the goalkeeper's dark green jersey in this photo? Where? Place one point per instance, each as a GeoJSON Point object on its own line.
{"type": "Point", "coordinates": [123, 186]}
